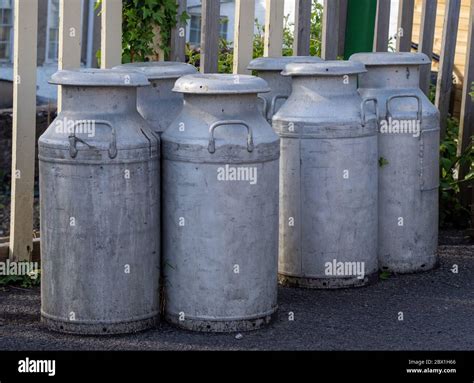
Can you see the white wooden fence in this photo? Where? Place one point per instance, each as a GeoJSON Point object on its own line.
{"type": "Point", "coordinates": [25, 30]}
{"type": "Point", "coordinates": [24, 102]}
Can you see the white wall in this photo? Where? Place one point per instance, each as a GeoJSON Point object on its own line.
{"type": "Point", "coordinates": [260, 11]}
{"type": "Point", "coordinates": [393, 17]}
{"type": "Point", "coordinates": [227, 10]}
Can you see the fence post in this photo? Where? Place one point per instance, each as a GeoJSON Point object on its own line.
{"type": "Point", "coordinates": [405, 25]}
{"type": "Point", "coordinates": [243, 35]}
{"type": "Point", "coordinates": [302, 27]}
{"type": "Point", "coordinates": [427, 30]}
{"type": "Point", "coordinates": [24, 129]}
{"type": "Point", "coordinates": [446, 64]}
{"type": "Point", "coordinates": [382, 26]}
{"type": "Point", "coordinates": [70, 31]}
{"type": "Point", "coordinates": [466, 123]}
{"type": "Point", "coordinates": [342, 22]}
{"type": "Point", "coordinates": [330, 34]}
{"type": "Point", "coordinates": [111, 34]}
{"type": "Point", "coordinates": [210, 35]}
{"type": "Point", "coordinates": [178, 35]}
{"type": "Point", "coordinates": [273, 43]}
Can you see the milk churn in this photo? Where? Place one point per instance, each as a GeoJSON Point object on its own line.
{"type": "Point", "coordinates": [157, 103]}
{"type": "Point", "coordinates": [220, 206]}
{"type": "Point", "coordinates": [409, 160]}
{"type": "Point", "coordinates": [99, 185]}
{"type": "Point", "coordinates": [328, 179]}
{"type": "Point", "coordinates": [269, 68]}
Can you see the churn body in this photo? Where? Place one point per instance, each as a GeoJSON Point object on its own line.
{"type": "Point", "coordinates": [409, 160]}
{"type": "Point", "coordinates": [99, 185]}
{"type": "Point", "coordinates": [220, 201]}
{"type": "Point", "coordinates": [328, 179]}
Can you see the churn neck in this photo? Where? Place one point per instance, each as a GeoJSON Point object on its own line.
{"type": "Point", "coordinates": [99, 100]}
{"type": "Point", "coordinates": [221, 94]}
{"type": "Point", "coordinates": [163, 85]}
{"type": "Point", "coordinates": [228, 104]}
{"type": "Point", "coordinates": [327, 78]}
{"type": "Point", "coordinates": [391, 76]}
{"type": "Point", "coordinates": [328, 86]}
{"type": "Point", "coordinates": [102, 91]}
{"type": "Point", "coordinates": [391, 69]}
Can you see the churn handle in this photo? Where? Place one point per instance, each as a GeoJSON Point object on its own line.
{"type": "Point", "coordinates": [73, 139]}
{"type": "Point", "coordinates": [415, 96]}
{"type": "Point", "coordinates": [265, 105]}
{"type": "Point", "coordinates": [274, 100]}
{"type": "Point", "coordinates": [362, 109]}
{"type": "Point", "coordinates": [212, 142]}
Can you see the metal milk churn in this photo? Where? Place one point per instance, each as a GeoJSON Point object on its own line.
{"type": "Point", "coordinates": [157, 103]}
{"type": "Point", "coordinates": [269, 68]}
{"type": "Point", "coordinates": [328, 179]}
{"type": "Point", "coordinates": [99, 185]}
{"type": "Point", "coordinates": [409, 160]}
{"type": "Point", "coordinates": [220, 207]}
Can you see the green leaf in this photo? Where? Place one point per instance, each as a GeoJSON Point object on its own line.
{"type": "Point", "coordinates": [382, 162]}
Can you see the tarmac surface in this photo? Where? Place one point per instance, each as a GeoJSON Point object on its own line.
{"type": "Point", "coordinates": [437, 309]}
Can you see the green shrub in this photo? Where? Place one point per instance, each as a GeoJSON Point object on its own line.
{"type": "Point", "coordinates": [451, 212]}
{"type": "Point", "coordinates": [139, 17]}
{"type": "Point", "coordinates": [26, 281]}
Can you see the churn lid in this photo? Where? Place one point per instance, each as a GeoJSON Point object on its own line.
{"type": "Point", "coordinates": [98, 77]}
{"type": "Point", "coordinates": [390, 58]}
{"type": "Point", "coordinates": [324, 68]}
{"type": "Point", "coordinates": [155, 70]}
{"type": "Point", "coordinates": [220, 84]}
{"type": "Point", "coordinates": [279, 63]}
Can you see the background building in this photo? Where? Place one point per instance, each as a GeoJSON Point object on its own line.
{"type": "Point", "coordinates": [48, 29]}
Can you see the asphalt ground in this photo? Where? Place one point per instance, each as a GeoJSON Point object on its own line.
{"type": "Point", "coordinates": [437, 308]}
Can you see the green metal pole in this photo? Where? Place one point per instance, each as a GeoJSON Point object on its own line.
{"type": "Point", "coordinates": [360, 26]}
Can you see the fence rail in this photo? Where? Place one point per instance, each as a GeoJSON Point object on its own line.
{"type": "Point", "coordinates": [26, 15]}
